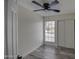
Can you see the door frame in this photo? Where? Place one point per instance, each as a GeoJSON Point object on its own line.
{"type": "Point", "coordinates": [11, 29]}
{"type": "Point", "coordinates": [5, 29]}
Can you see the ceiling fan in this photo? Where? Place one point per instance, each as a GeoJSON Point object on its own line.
{"type": "Point", "coordinates": [46, 6]}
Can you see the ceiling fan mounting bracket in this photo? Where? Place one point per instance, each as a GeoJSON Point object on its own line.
{"type": "Point", "coordinates": [46, 5]}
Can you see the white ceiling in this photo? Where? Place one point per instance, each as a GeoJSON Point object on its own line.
{"type": "Point", "coordinates": [66, 6]}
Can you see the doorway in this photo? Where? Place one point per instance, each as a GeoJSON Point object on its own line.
{"type": "Point", "coordinates": [50, 32]}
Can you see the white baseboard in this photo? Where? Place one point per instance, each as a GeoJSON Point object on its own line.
{"type": "Point", "coordinates": [24, 55]}
{"type": "Point", "coordinates": [50, 43]}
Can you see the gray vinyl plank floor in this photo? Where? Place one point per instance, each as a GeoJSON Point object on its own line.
{"type": "Point", "coordinates": [51, 52]}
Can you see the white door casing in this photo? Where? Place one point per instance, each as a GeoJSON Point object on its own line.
{"type": "Point", "coordinates": [11, 30]}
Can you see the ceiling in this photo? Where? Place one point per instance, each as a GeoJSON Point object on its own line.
{"type": "Point", "coordinates": [66, 6]}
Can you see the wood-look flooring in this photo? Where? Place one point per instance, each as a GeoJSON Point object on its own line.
{"type": "Point", "coordinates": [51, 52]}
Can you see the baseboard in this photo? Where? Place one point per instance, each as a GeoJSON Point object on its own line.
{"type": "Point", "coordinates": [24, 55]}
{"type": "Point", "coordinates": [66, 47]}
{"type": "Point", "coordinates": [50, 43]}
{"type": "Point", "coordinates": [70, 49]}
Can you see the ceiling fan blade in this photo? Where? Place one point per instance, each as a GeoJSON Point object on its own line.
{"type": "Point", "coordinates": [37, 3]}
{"type": "Point", "coordinates": [54, 10]}
{"type": "Point", "coordinates": [39, 10]}
{"type": "Point", "coordinates": [54, 2]}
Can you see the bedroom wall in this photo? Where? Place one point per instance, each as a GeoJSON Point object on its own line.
{"type": "Point", "coordinates": [30, 31]}
{"type": "Point", "coordinates": [66, 33]}
{"type": "Point", "coordinates": [65, 29]}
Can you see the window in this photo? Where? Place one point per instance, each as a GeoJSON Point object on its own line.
{"type": "Point", "coordinates": [50, 31]}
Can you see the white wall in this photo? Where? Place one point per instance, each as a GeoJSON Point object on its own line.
{"type": "Point", "coordinates": [69, 34]}
{"type": "Point", "coordinates": [30, 31]}
{"type": "Point", "coordinates": [65, 29]}
{"type": "Point", "coordinates": [67, 16]}
{"type": "Point", "coordinates": [66, 33]}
